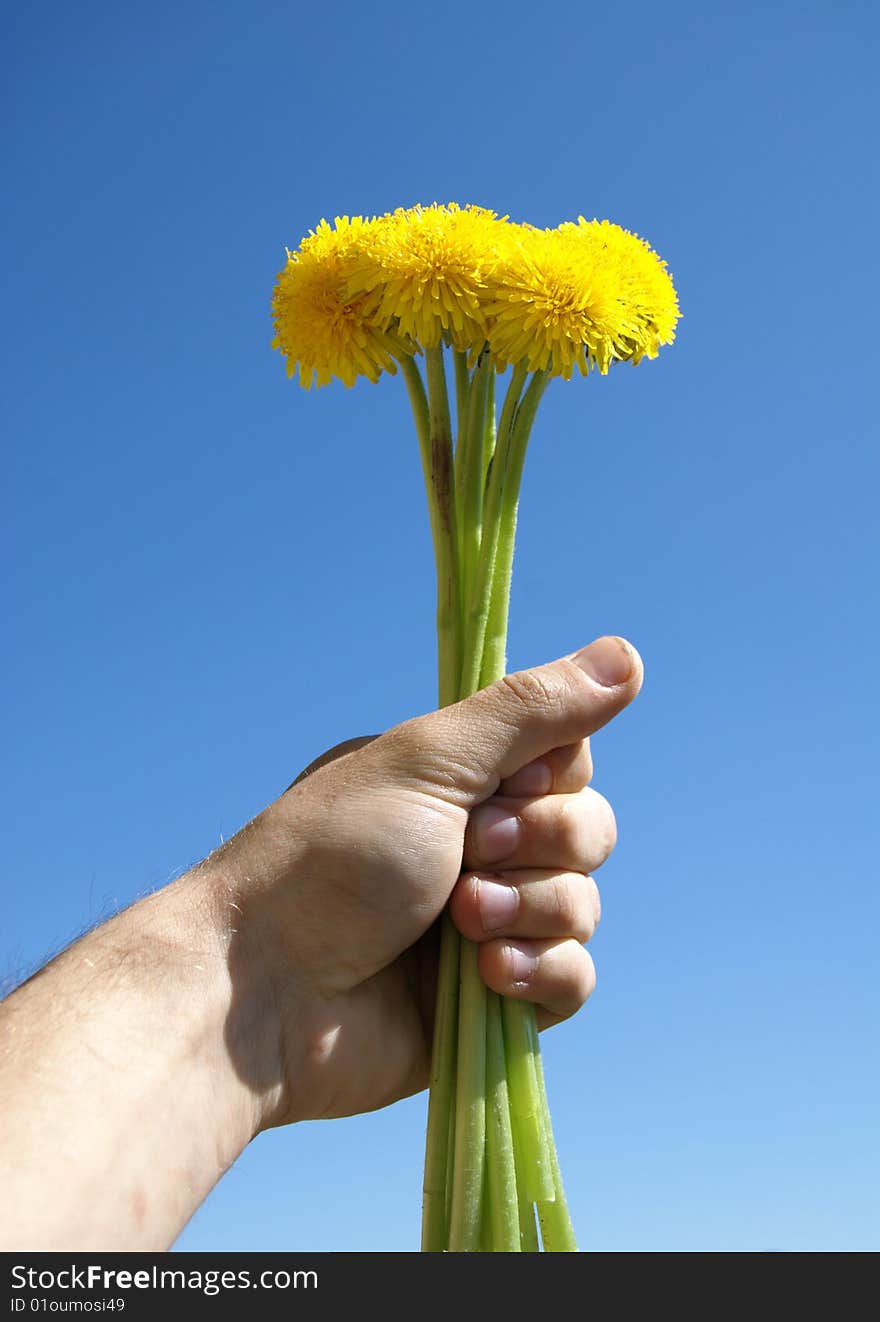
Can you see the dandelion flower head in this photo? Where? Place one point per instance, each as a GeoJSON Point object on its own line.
{"type": "Point", "coordinates": [579, 296]}
{"type": "Point", "coordinates": [426, 268]}
{"type": "Point", "coordinates": [323, 329]}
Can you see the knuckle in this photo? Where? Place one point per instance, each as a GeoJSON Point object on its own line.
{"type": "Point", "coordinates": [333, 754]}
{"type": "Point", "coordinates": [588, 979]}
{"type": "Point", "coordinates": [594, 900]}
{"type": "Point", "coordinates": [420, 751]}
{"type": "Point", "coordinates": [571, 914]}
{"type": "Point", "coordinates": [580, 982]}
{"type": "Point", "coordinates": [605, 824]}
{"type": "Point", "coordinates": [570, 823]}
{"type": "Point", "coordinates": [403, 743]}
{"type": "Point", "coordinates": [532, 690]}
{"type": "Point", "coordinates": [571, 765]}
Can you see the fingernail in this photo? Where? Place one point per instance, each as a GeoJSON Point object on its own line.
{"type": "Point", "coordinates": [498, 904]}
{"type": "Point", "coordinates": [609, 661]}
{"type": "Point", "coordinates": [520, 964]}
{"type": "Point", "coordinates": [496, 832]}
{"type": "Point", "coordinates": [536, 778]}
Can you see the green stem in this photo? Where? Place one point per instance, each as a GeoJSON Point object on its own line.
{"type": "Point", "coordinates": [469, 482]}
{"type": "Point", "coordinates": [470, 1107]}
{"type": "Point", "coordinates": [462, 386]}
{"type": "Point", "coordinates": [435, 447]}
{"type": "Point", "coordinates": [476, 607]}
{"type": "Point", "coordinates": [557, 1232]}
{"type": "Point", "coordinates": [441, 1098]}
{"type": "Point", "coordinates": [528, 1230]}
{"type": "Point", "coordinates": [490, 433]}
{"type": "Point", "coordinates": [533, 1166]}
{"type": "Point", "coordinates": [495, 648]}
{"type": "Point", "coordinates": [486, 1232]}
{"type": "Point", "coordinates": [502, 1190]}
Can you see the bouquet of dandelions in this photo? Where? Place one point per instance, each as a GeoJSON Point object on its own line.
{"type": "Point", "coordinates": [460, 283]}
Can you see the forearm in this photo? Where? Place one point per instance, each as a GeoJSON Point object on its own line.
{"type": "Point", "coordinates": [133, 1070]}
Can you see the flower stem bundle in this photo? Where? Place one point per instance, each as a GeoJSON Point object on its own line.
{"type": "Point", "coordinates": [451, 295]}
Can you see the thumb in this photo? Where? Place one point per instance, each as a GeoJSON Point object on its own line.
{"type": "Point", "coordinates": [464, 751]}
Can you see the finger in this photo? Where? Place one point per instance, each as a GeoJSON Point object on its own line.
{"type": "Point", "coordinates": [338, 750]}
{"type": "Point", "coordinates": [565, 832]}
{"type": "Point", "coordinates": [561, 771]}
{"type": "Point", "coordinates": [463, 752]}
{"type": "Point", "coordinates": [531, 903]}
{"type": "Point", "coordinates": [558, 976]}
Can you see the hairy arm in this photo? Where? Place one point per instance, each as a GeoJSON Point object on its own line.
{"type": "Point", "coordinates": [122, 1105]}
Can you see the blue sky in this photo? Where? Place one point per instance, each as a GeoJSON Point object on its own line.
{"type": "Point", "coordinates": [209, 575]}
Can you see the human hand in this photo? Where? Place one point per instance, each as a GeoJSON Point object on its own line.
{"type": "Point", "coordinates": [335, 887]}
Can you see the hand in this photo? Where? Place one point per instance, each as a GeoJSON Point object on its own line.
{"type": "Point", "coordinates": [336, 887]}
{"type": "Point", "coordinates": [292, 974]}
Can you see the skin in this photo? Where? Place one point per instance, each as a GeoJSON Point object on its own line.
{"type": "Point", "coordinates": [291, 975]}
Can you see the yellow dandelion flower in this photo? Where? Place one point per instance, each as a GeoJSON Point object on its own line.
{"type": "Point", "coordinates": [425, 270]}
{"type": "Point", "coordinates": [579, 296]}
{"type": "Point", "coordinates": [320, 326]}
{"type": "Point", "coordinates": [648, 304]}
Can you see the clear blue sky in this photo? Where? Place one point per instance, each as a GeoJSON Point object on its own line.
{"type": "Point", "coordinates": [210, 575]}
